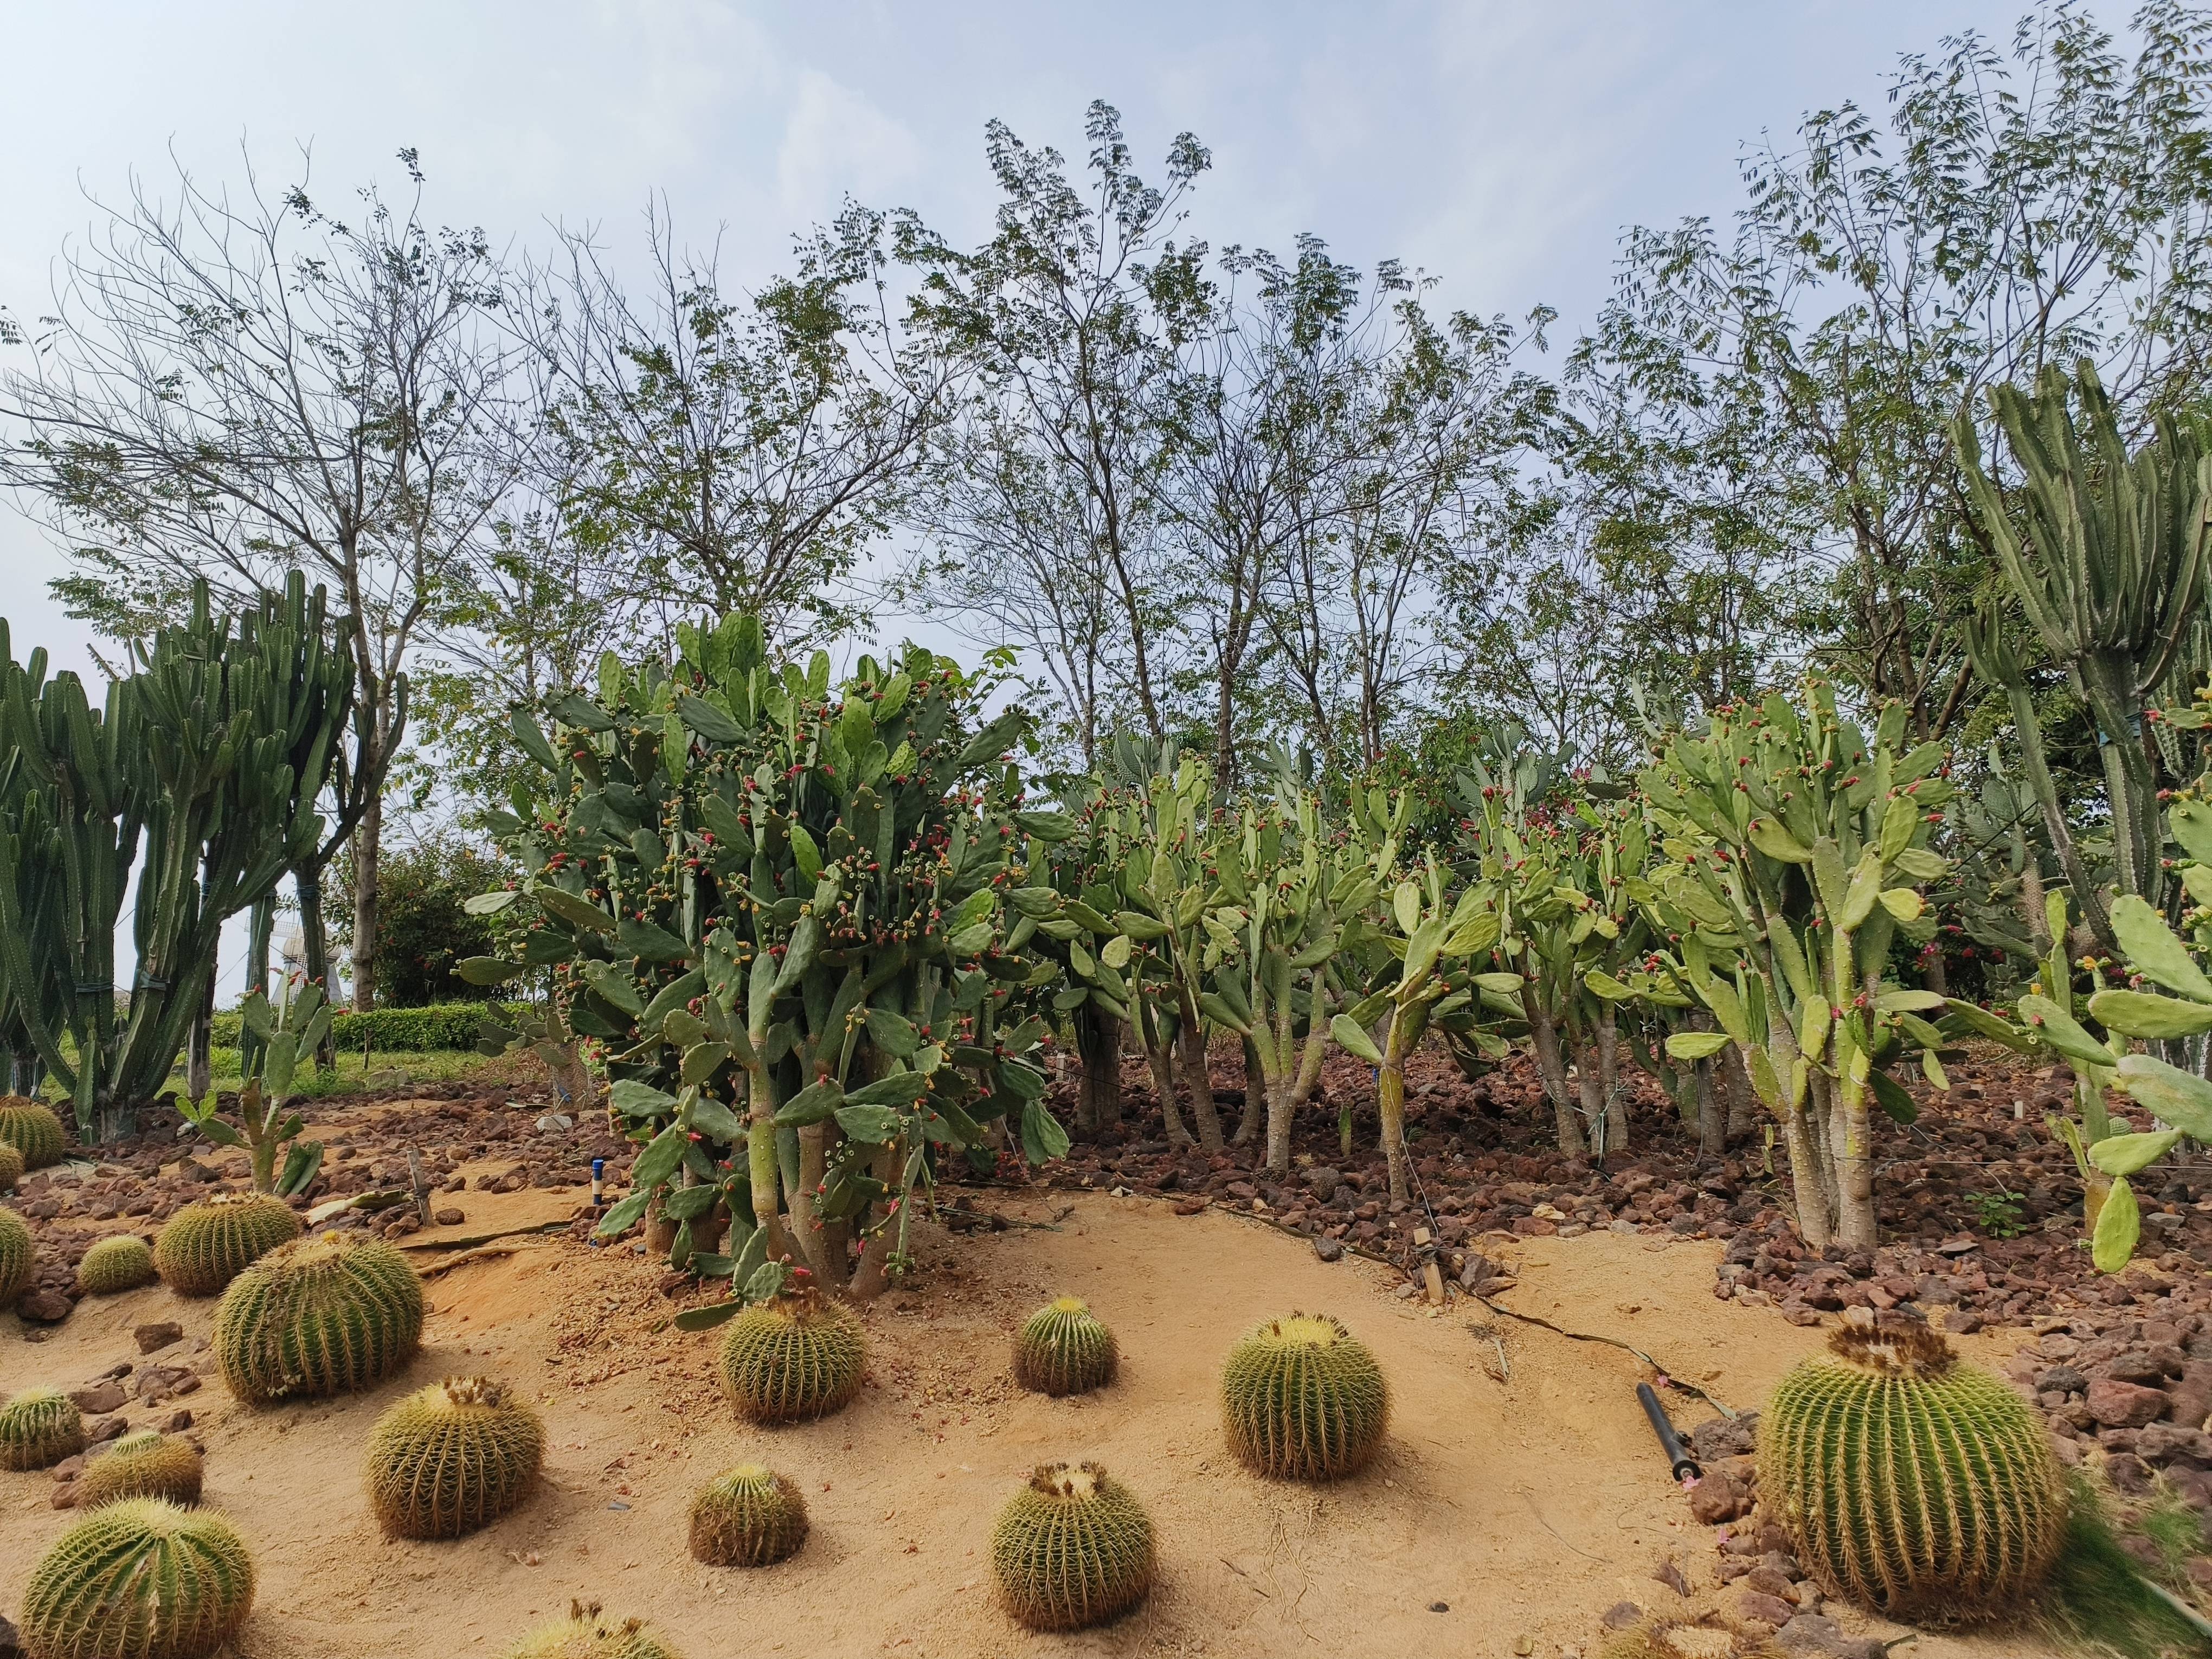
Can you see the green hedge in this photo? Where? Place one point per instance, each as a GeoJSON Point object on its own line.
{"type": "Point", "coordinates": [408, 1030]}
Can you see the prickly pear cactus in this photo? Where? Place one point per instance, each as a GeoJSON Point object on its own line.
{"type": "Point", "coordinates": [1302, 1399]}
{"type": "Point", "coordinates": [1910, 1482]}
{"type": "Point", "coordinates": [1073, 1548]}
{"type": "Point", "coordinates": [140, 1579]}
{"type": "Point", "coordinates": [1063, 1349]}
{"type": "Point", "coordinates": [748, 1516]}
{"type": "Point", "coordinates": [796, 1357]}
{"type": "Point", "coordinates": [39, 1428]}
{"type": "Point", "coordinates": [31, 1129]}
{"type": "Point", "coordinates": [18, 1255]}
{"type": "Point", "coordinates": [587, 1633]}
{"type": "Point", "coordinates": [319, 1316]}
{"type": "Point", "coordinates": [142, 1465]}
{"type": "Point", "coordinates": [120, 1263]}
{"type": "Point", "coordinates": [11, 1166]}
{"type": "Point", "coordinates": [453, 1457]}
{"type": "Point", "coordinates": [205, 1246]}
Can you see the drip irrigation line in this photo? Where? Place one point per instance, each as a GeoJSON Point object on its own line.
{"type": "Point", "coordinates": [1667, 1377]}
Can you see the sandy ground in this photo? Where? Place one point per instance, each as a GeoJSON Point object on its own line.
{"type": "Point", "coordinates": [1516, 1510]}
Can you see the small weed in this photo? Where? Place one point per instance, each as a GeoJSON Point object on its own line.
{"type": "Point", "coordinates": [1998, 1213]}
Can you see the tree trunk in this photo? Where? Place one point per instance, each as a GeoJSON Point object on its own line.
{"type": "Point", "coordinates": [762, 1165]}
{"type": "Point", "coordinates": [1742, 1098]}
{"type": "Point", "coordinates": [315, 951]}
{"type": "Point", "coordinates": [199, 1061]}
{"type": "Point", "coordinates": [1608, 1080]}
{"type": "Point", "coordinates": [1098, 1089]}
{"type": "Point", "coordinates": [1712, 1128]}
{"type": "Point", "coordinates": [872, 1277]}
{"type": "Point", "coordinates": [1190, 1042]}
{"type": "Point", "coordinates": [367, 838]}
{"type": "Point", "coordinates": [1159, 1057]}
{"type": "Point", "coordinates": [1552, 1071]}
{"type": "Point", "coordinates": [805, 1225]}
{"type": "Point", "coordinates": [1806, 1181]}
{"type": "Point", "coordinates": [1255, 1092]}
{"type": "Point", "coordinates": [1390, 1107]}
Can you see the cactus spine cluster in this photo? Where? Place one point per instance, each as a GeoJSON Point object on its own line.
{"type": "Point", "coordinates": [122, 1262]}
{"type": "Point", "coordinates": [18, 1255]}
{"type": "Point", "coordinates": [1073, 1548]}
{"type": "Point", "coordinates": [142, 1465]}
{"type": "Point", "coordinates": [1302, 1399]}
{"type": "Point", "coordinates": [205, 1246]}
{"type": "Point", "coordinates": [748, 1516]}
{"type": "Point", "coordinates": [1909, 1482]}
{"type": "Point", "coordinates": [1062, 1349]}
{"type": "Point", "coordinates": [794, 1357]}
{"type": "Point", "coordinates": [11, 1166]}
{"type": "Point", "coordinates": [38, 1429]}
{"type": "Point", "coordinates": [587, 1633]}
{"type": "Point", "coordinates": [140, 1579]}
{"type": "Point", "coordinates": [319, 1316]}
{"type": "Point", "coordinates": [31, 1129]}
{"type": "Point", "coordinates": [453, 1457]}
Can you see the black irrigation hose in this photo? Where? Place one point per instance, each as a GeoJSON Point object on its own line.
{"type": "Point", "coordinates": [1677, 1456]}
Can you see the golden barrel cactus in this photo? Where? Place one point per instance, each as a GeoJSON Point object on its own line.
{"type": "Point", "coordinates": [1302, 1399]}
{"type": "Point", "coordinates": [140, 1579]}
{"type": "Point", "coordinates": [206, 1245]}
{"type": "Point", "coordinates": [748, 1516]}
{"type": "Point", "coordinates": [1910, 1482]}
{"type": "Point", "coordinates": [587, 1633]}
{"type": "Point", "coordinates": [1063, 1349]}
{"type": "Point", "coordinates": [39, 1427]}
{"type": "Point", "coordinates": [795, 1358]}
{"type": "Point", "coordinates": [319, 1316]}
{"type": "Point", "coordinates": [11, 1166]}
{"type": "Point", "coordinates": [142, 1465]}
{"type": "Point", "coordinates": [121, 1262]}
{"type": "Point", "coordinates": [453, 1457]}
{"type": "Point", "coordinates": [33, 1130]}
{"type": "Point", "coordinates": [18, 1255]}
{"type": "Point", "coordinates": [1073, 1548]}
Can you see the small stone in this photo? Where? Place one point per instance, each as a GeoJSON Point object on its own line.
{"type": "Point", "coordinates": [2062, 1380]}
{"type": "Point", "coordinates": [1323, 1182]}
{"type": "Point", "coordinates": [1669, 1574]}
{"type": "Point", "coordinates": [65, 1496]}
{"type": "Point", "coordinates": [175, 1423]}
{"type": "Point", "coordinates": [1717, 1498]}
{"type": "Point", "coordinates": [1439, 1606]}
{"type": "Point", "coordinates": [1191, 1206]}
{"type": "Point", "coordinates": [103, 1429]}
{"type": "Point", "coordinates": [1961, 1322]}
{"type": "Point", "coordinates": [450, 1217]}
{"type": "Point", "coordinates": [2169, 1442]}
{"type": "Point", "coordinates": [151, 1339]}
{"type": "Point", "coordinates": [1329, 1249]}
{"type": "Point", "coordinates": [99, 1400]}
{"type": "Point", "coordinates": [47, 1307]}
{"type": "Point", "coordinates": [69, 1467]}
{"type": "Point", "coordinates": [2137, 1366]}
{"type": "Point", "coordinates": [1767, 1582]}
{"type": "Point", "coordinates": [1747, 1604]}
{"type": "Point", "coordinates": [10, 1643]}
{"type": "Point", "coordinates": [1620, 1616]}
{"type": "Point", "coordinates": [1818, 1635]}
{"type": "Point", "coordinates": [2118, 1405]}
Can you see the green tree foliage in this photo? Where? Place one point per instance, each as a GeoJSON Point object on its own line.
{"type": "Point", "coordinates": [428, 930]}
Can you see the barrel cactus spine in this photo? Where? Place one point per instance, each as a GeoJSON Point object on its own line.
{"type": "Point", "coordinates": [142, 1465]}
{"type": "Point", "coordinates": [33, 1130]}
{"type": "Point", "coordinates": [18, 1255]}
{"type": "Point", "coordinates": [588, 1633]}
{"type": "Point", "coordinates": [791, 1358]}
{"type": "Point", "coordinates": [1073, 1548]}
{"type": "Point", "coordinates": [121, 1262]}
{"type": "Point", "coordinates": [748, 1516]}
{"type": "Point", "coordinates": [319, 1316]}
{"type": "Point", "coordinates": [1302, 1399]}
{"type": "Point", "coordinates": [39, 1427]}
{"type": "Point", "coordinates": [453, 1457]}
{"type": "Point", "coordinates": [1910, 1482]}
{"type": "Point", "coordinates": [139, 1579]}
{"type": "Point", "coordinates": [206, 1245]}
{"type": "Point", "coordinates": [1063, 1349]}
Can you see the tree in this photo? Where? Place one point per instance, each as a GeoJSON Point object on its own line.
{"type": "Point", "coordinates": [2012, 214]}
{"type": "Point", "coordinates": [235, 389]}
{"type": "Point", "coordinates": [428, 930]}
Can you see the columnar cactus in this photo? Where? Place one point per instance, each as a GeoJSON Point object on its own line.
{"type": "Point", "coordinates": [1910, 1482]}
{"type": "Point", "coordinates": [1062, 1349]}
{"type": "Point", "coordinates": [31, 1129]}
{"type": "Point", "coordinates": [142, 1465]}
{"type": "Point", "coordinates": [748, 1516]}
{"type": "Point", "coordinates": [18, 1255]}
{"type": "Point", "coordinates": [1302, 1399]}
{"type": "Point", "coordinates": [319, 1316]}
{"type": "Point", "coordinates": [587, 1633]}
{"type": "Point", "coordinates": [795, 1357]}
{"type": "Point", "coordinates": [1073, 1548]}
{"type": "Point", "coordinates": [206, 1245]}
{"type": "Point", "coordinates": [123, 1263]}
{"type": "Point", "coordinates": [453, 1457]}
{"type": "Point", "coordinates": [39, 1428]}
{"type": "Point", "coordinates": [11, 1166]}
{"type": "Point", "coordinates": [140, 1579]}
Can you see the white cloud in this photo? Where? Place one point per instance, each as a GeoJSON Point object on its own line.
{"type": "Point", "coordinates": [836, 144]}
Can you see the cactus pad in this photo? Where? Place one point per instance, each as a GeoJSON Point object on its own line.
{"type": "Point", "coordinates": [1073, 1548]}
{"type": "Point", "coordinates": [31, 1129]}
{"type": "Point", "coordinates": [140, 1579]}
{"type": "Point", "coordinates": [453, 1457]}
{"type": "Point", "coordinates": [142, 1465]}
{"type": "Point", "coordinates": [748, 1516]}
{"type": "Point", "coordinates": [11, 1166]}
{"type": "Point", "coordinates": [1909, 1482]}
{"type": "Point", "coordinates": [794, 1357]}
{"type": "Point", "coordinates": [18, 1255]}
{"type": "Point", "coordinates": [1063, 1350]}
{"type": "Point", "coordinates": [122, 1262]}
{"type": "Point", "coordinates": [586, 1633]}
{"type": "Point", "coordinates": [39, 1428]}
{"type": "Point", "coordinates": [205, 1246]}
{"type": "Point", "coordinates": [1302, 1398]}
{"type": "Point", "coordinates": [319, 1316]}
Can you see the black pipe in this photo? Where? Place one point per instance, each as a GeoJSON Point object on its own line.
{"type": "Point", "coordinates": [1685, 1467]}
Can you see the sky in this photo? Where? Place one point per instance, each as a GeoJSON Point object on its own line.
{"type": "Point", "coordinates": [1500, 145]}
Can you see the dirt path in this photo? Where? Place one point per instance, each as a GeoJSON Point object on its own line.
{"type": "Point", "coordinates": [1524, 1509]}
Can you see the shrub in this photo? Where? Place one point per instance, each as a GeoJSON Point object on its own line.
{"type": "Point", "coordinates": [11, 1166]}
{"type": "Point", "coordinates": [422, 928]}
{"type": "Point", "coordinates": [31, 1129]}
{"type": "Point", "coordinates": [18, 1255]}
{"type": "Point", "coordinates": [586, 1633]}
{"type": "Point", "coordinates": [441, 1028]}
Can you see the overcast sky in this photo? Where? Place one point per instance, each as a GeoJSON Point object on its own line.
{"type": "Point", "coordinates": [1501, 146]}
